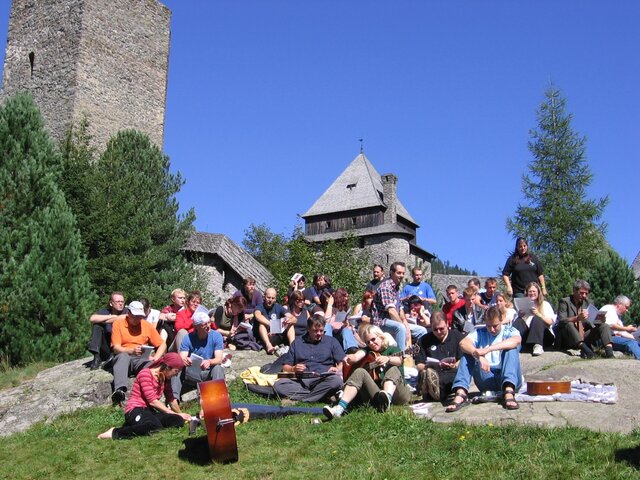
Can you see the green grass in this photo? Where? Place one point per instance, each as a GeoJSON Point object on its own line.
{"type": "Point", "coordinates": [13, 376]}
{"type": "Point", "coordinates": [363, 444]}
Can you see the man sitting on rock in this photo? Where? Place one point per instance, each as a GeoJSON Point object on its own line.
{"type": "Point", "coordinates": [467, 317]}
{"type": "Point", "coordinates": [315, 362]}
{"type": "Point", "coordinates": [443, 345]}
{"type": "Point", "coordinates": [623, 339]}
{"type": "Point", "coordinates": [206, 344]}
{"type": "Point", "coordinates": [101, 326]}
{"type": "Point", "coordinates": [130, 338]}
{"type": "Point", "coordinates": [573, 330]}
{"type": "Point", "coordinates": [267, 312]}
{"type": "Point", "coordinates": [492, 359]}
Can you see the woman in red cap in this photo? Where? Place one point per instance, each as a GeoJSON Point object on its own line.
{"type": "Point", "coordinates": [145, 412]}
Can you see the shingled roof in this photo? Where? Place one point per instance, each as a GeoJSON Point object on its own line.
{"type": "Point", "coordinates": [231, 253]}
{"type": "Point", "coordinates": [636, 265]}
{"type": "Point", "coordinates": [358, 186]}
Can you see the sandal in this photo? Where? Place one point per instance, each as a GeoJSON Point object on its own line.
{"type": "Point", "coordinates": [455, 406]}
{"type": "Point", "coordinates": [510, 404]}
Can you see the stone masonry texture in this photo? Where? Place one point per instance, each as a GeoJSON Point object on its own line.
{"type": "Point", "coordinates": [103, 59]}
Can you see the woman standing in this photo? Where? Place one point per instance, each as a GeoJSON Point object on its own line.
{"type": "Point", "coordinates": [145, 413]}
{"type": "Point", "coordinates": [389, 388]}
{"type": "Point", "coordinates": [522, 267]}
{"type": "Point", "coordinates": [535, 326]}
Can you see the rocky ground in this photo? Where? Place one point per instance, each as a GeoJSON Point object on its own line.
{"type": "Point", "coordinates": [72, 386]}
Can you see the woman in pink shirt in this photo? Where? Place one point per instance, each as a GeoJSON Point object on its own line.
{"type": "Point", "coordinates": [145, 412]}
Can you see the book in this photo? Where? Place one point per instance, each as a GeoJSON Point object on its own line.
{"type": "Point", "coordinates": [146, 351]}
{"type": "Point", "coordinates": [194, 369]}
{"type": "Point", "coordinates": [275, 325]}
{"type": "Point", "coordinates": [434, 362]}
{"type": "Point", "coordinates": [523, 305]}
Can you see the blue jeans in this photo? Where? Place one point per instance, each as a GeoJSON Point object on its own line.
{"type": "Point", "coordinates": [627, 345]}
{"type": "Point", "coordinates": [397, 331]}
{"type": "Point", "coordinates": [417, 331]}
{"type": "Point", "coordinates": [348, 338]}
{"type": "Point", "coordinates": [493, 380]}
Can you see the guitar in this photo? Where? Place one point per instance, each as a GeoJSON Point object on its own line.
{"type": "Point", "coordinates": [219, 421]}
{"type": "Point", "coordinates": [368, 362]}
{"type": "Point", "coordinates": [548, 387]}
{"type": "Point", "coordinates": [221, 417]}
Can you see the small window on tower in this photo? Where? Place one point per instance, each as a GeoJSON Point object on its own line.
{"type": "Point", "coordinates": [32, 57]}
{"type": "Point", "coordinates": [354, 220]}
{"type": "Point", "coordinates": [328, 225]}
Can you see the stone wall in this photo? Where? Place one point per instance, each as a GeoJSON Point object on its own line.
{"type": "Point", "coordinates": [440, 282]}
{"type": "Point", "coordinates": [104, 59]}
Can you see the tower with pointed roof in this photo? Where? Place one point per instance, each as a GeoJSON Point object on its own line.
{"type": "Point", "coordinates": [364, 202]}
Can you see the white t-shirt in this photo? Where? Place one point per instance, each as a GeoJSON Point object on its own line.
{"type": "Point", "coordinates": [481, 338]}
{"type": "Point", "coordinates": [612, 318]}
{"type": "Point", "coordinates": [547, 312]}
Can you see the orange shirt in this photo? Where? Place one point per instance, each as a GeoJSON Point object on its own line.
{"type": "Point", "coordinates": [126, 337]}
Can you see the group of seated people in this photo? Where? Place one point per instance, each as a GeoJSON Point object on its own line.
{"type": "Point", "coordinates": [358, 353]}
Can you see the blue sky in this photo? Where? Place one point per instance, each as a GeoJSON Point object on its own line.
{"type": "Point", "coordinates": [267, 100]}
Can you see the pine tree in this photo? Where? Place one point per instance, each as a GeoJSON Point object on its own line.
{"type": "Point", "coordinates": [133, 233]}
{"type": "Point", "coordinates": [556, 217]}
{"type": "Point", "coordinates": [612, 276]}
{"type": "Point", "coordinates": [45, 291]}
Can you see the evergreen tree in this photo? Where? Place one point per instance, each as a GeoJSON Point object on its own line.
{"type": "Point", "coordinates": [612, 276]}
{"type": "Point", "coordinates": [341, 260]}
{"type": "Point", "coordinates": [446, 268]}
{"type": "Point", "coordinates": [556, 217]}
{"type": "Point", "coordinates": [44, 287]}
{"type": "Point", "coordinates": [133, 232]}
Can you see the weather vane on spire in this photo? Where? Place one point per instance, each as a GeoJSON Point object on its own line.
{"type": "Point", "coordinates": [361, 145]}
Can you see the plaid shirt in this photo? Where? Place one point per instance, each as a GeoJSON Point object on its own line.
{"type": "Point", "coordinates": [387, 295]}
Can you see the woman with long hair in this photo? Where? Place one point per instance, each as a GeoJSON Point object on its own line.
{"type": "Point", "coordinates": [297, 315]}
{"type": "Point", "coordinates": [364, 309]}
{"type": "Point", "coordinates": [535, 325]}
{"type": "Point", "coordinates": [521, 268]}
{"type": "Point", "coordinates": [506, 308]}
{"type": "Point", "coordinates": [389, 388]}
{"type": "Point", "coordinates": [336, 313]}
{"type": "Point", "coordinates": [235, 329]}
{"type": "Point", "coordinates": [145, 412]}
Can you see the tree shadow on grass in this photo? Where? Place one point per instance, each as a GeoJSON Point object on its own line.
{"type": "Point", "coordinates": [630, 456]}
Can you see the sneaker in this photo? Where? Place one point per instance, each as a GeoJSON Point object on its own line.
{"type": "Point", "coordinates": [382, 401]}
{"type": "Point", "coordinates": [433, 384]}
{"type": "Point", "coordinates": [537, 350]}
{"type": "Point", "coordinates": [281, 350]}
{"type": "Point", "coordinates": [586, 352]}
{"type": "Point", "coordinates": [608, 352]}
{"type": "Point", "coordinates": [332, 412]}
{"type": "Point", "coordinates": [118, 396]}
{"type": "Point", "coordinates": [226, 361]}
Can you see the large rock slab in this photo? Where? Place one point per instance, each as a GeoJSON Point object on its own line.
{"type": "Point", "coordinates": [72, 386]}
{"type": "Point", "coordinates": [622, 417]}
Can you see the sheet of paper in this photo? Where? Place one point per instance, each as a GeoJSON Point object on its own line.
{"type": "Point", "coordinates": [146, 351]}
{"type": "Point", "coordinates": [275, 325]}
{"type": "Point", "coordinates": [195, 367]}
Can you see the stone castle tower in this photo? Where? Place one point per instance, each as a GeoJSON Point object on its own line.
{"type": "Point", "coordinates": [103, 59]}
